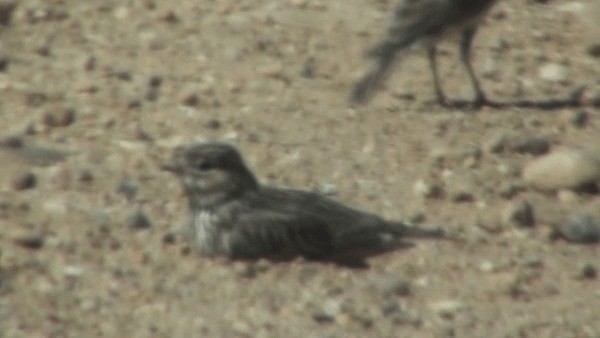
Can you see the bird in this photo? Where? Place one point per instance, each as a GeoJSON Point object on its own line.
{"type": "Point", "coordinates": [425, 21]}
{"type": "Point", "coordinates": [233, 215]}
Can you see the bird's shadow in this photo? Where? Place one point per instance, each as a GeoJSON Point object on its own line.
{"type": "Point", "coordinates": [354, 260]}
{"type": "Point", "coordinates": [358, 261]}
{"type": "Point", "coordinates": [573, 100]}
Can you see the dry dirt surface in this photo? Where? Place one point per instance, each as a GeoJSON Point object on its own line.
{"type": "Point", "coordinates": [94, 95]}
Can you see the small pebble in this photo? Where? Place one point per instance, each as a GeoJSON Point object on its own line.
{"type": "Point", "coordinates": [86, 176]}
{"type": "Point", "coordinates": [447, 309]}
{"type": "Point", "coordinates": [581, 228]}
{"type": "Point", "coordinates": [520, 214]}
{"type": "Point", "coordinates": [395, 287]}
{"type": "Point", "coordinates": [99, 217]}
{"type": "Point", "coordinates": [567, 196]}
{"type": "Point", "coordinates": [169, 17]}
{"type": "Point", "coordinates": [406, 316]}
{"type": "Point", "coordinates": [308, 69]}
{"type": "Point", "coordinates": [509, 169]}
{"type": "Point", "coordinates": [460, 196]}
{"type": "Point", "coordinates": [24, 181]}
{"type": "Point", "coordinates": [128, 188]}
{"type": "Point", "coordinates": [54, 206]}
{"type": "Point", "coordinates": [4, 60]}
{"type": "Point", "coordinates": [508, 189]}
{"type": "Point", "coordinates": [533, 262]}
{"type": "Point", "coordinates": [6, 11]}
{"type": "Point", "coordinates": [530, 145]}
{"type": "Point", "coordinates": [59, 118]}
{"type": "Point", "coordinates": [364, 319]}
{"type": "Point", "coordinates": [554, 72]}
{"type": "Point", "coordinates": [590, 97]}
{"type": "Point", "coordinates": [61, 176]}
{"type": "Point", "coordinates": [155, 81]}
{"type": "Point", "coordinates": [496, 144]}
{"type": "Point", "coordinates": [35, 99]}
{"type": "Point", "coordinates": [389, 307]}
{"type": "Point", "coordinates": [588, 271]}
{"type": "Point", "coordinates": [89, 63]}
{"type": "Point", "coordinates": [417, 216]}
{"type": "Point", "coordinates": [469, 156]}
{"type": "Point", "coordinates": [191, 100]}
{"type": "Point", "coordinates": [427, 189]}
{"type": "Point", "coordinates": [72, 271]}
{"type": "Point", "coordinates": [37, 155]}
{"type": "Point", "coordinates": [272, 70]}
{"type": "Point", "coordinates": [520, 143]}
{"type": "Point", "coordinates": [138, 220]}
{"type": "Point", "coordinates": [253, 269]}
{"type": "Point", "coordinates": [487, 266]}
{"type": "Point", "coordinates": [489, 221]}
{"type": "Point", "coordinates": [30, 241]}
{"type": "Point", "coordinates": [213, 124]}
{"type": "Point", "coordinates": [594, 49]}
{"type": "Point", "coordinates": [242, 328]}
{"type": "Point", "coordinates": [327, 189]}
{"type": "Point", "coordinates": [577, 118]}
{"type": "Point", "coordinates": [328, 311]}
{"type": "Point", "coordinates": [11, 142]}
{"type": "Point", "coordinates": [566, 169]}
{"type": "Point", "coordinates": [460, 189]}
{"type": "Point", "coordinates": [169, 238]}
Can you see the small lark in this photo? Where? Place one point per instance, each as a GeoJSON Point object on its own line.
{"type": "Point", "coordinates": [427, 21]}
{"type": "Point", "coordinates": [233, 215]}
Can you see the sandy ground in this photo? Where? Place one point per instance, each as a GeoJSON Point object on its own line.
{"type": "Point", "coordinates": [101, 91]}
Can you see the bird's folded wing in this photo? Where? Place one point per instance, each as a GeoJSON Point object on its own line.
{"type": "Point", "coordinates": [266, 233]}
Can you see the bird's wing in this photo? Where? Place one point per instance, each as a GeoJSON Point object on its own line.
{"type": "Point", "coordinates": [313, 205]}
{"type": "Point", "coordinates": [272, 234]}
{"type": "Point", "coordinates": [318, 222]}
{"type": "Point", "coordinates": [314, 226]}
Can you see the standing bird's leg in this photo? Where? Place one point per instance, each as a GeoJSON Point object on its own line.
{"type": "Point", "coordinates": [431, 55]}
{"type": "Point", "coordinates": [465, 56]}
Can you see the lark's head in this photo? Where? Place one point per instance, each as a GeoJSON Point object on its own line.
{"type": "Point", "coordinates": [211, 173]}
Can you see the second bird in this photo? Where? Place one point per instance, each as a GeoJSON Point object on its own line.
{"type": "Point", "coordinates": [425, 21]}
{"type": "Point", "coordinates": [233, 215]}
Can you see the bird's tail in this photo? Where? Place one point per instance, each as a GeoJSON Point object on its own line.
{"type": "Point", "coordinates": [404, 230]}
{"type": "Point", "coordinates": [384, 55]}
{"type": "Point", "coordinates": [367, 241]}
{"type": "Point", "coordinates": [364, 243]}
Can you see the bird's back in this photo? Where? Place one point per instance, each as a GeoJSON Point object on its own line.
{"type": "Point", "coordinates": [316, 206]}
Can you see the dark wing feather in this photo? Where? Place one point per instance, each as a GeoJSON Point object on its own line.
{"type": "Point", "coordinates": [320, 227]}
{"type": "Point", "coordinates": [270, 234]}
{"type": "Point", "coordinates": [328, 211]}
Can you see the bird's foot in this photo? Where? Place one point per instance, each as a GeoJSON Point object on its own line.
{"type": "Point", "coordinates": [480, 100]}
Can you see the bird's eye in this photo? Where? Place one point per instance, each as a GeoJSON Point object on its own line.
{"type": "Point", "coordinates": [204, 165]}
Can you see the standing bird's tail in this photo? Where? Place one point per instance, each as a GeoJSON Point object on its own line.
{"type": "Point", "coordinates": [384, 55]}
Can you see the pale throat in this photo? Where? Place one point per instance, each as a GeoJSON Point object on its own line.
{"type": "Point", "coordinates": [206, 232]}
